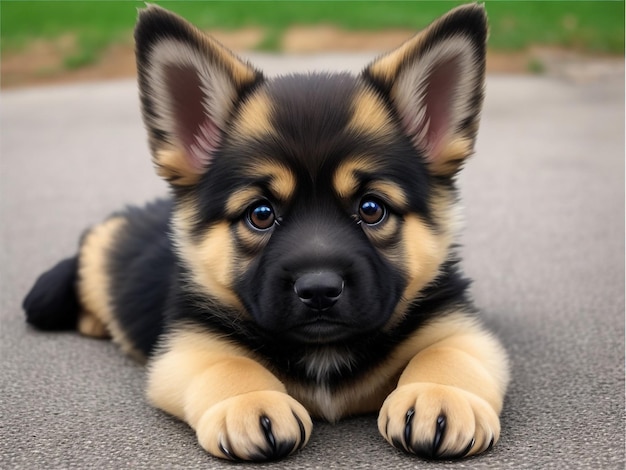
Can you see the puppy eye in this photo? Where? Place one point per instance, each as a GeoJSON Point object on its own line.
{"type": "Point", "coordinates": [261, 216]}
{"type": "Point", "coordinates": [371, 210]}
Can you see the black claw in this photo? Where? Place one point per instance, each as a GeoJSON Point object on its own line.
{"type": "Point", "coordinates": [461, 454]}
{"type": "Point", "coordinates": [458, 455]}
{"type": "Point", "coordinates": [408, 430]}
{"type": "Point", "coordinates": [266, 425]}
{"type": "Point", "coordinates": [397, 443]}
{"type": "Point", "coordinates": [427, 450]}
{"type": "Point", "coordinates": [276, 449]}
{"type": "Point", "coordinates": [286, 448]}
{"type": "Point", "coordinates": [468, 448]}
{"type": "Point", "coordinates": [229, 455]}
{"type": "Point", "coordinates": [440, 429]}
{"type": "Point", "coordinates": [302, 431]}
{"type": "Point", "coordinates": [491, 442]}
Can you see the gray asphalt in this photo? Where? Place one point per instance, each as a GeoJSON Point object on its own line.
{"type": "Point", "coordinates": [544, 241]}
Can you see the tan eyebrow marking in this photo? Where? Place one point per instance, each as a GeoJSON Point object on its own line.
{"type": "Point", "coordinates": [282, 181]}
{"type": "Point", "coordinates": [241, 199]}
{"type": "Point", "coordinates": [346, 177]}
{"type": "Point", "coordinates": [390, 191]}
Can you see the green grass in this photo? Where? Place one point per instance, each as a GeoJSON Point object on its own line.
{"type": "Point", "coordinates": [536, 66]}
{"type": "Point", "coordinates": [595, 26]}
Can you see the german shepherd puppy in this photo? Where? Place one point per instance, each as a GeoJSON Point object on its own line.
{"type": "Point", "coordinates": [305, 265]}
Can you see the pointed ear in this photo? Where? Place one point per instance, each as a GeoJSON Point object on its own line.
{"type": "Point", "coordinates": [189, 86]}
{"type": "Point", "coordinates": [435, 82]}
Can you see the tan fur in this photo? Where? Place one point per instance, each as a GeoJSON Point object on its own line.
{"type": "Point", "coordinates": [422, 253]}
{"type": "Point", "coordinates": [252, 240]}
{"type": "Point", "coordinates": [186, 213]}
{"type": "Point", "coordinates": [173, 165]}
{"type": "Point", "coordinates": [391, 192]}
{"type": "Point", "coordinates": [380, 234]}
{"type": "Point", "coordinates": [455, 362]}
{"type": "Point", "coordinates": [370, 116]}
{"type": "Point", "coordinates": [345, 179]}
{"type": "Point", "coordinates": [364, 396]}
{"type": "Point", "coordinates": [222, 392]}
{"type": "Point", "coordinates": [90, 325]}
{"type": "Point", "coordinates": [385, 68]}
{"type": "Point", "coordinates": [282, 181]}
{"type": "Point", "coordinates": [238, 201]}
{"type": "Point", "coordinates": [451, 156]}
{"type": "Point", "coordinates": [254, 119]}
{"type": "Point", "coordinates": [446, 214]}
{"type": "Point", "coordinates": [209, 260]}
{"type": "Point", "coordinates": [241, 73]}
{"type": "Point", "coordinates": [461, 373]}
{"type": "Point", "coordinates": [94, 281]}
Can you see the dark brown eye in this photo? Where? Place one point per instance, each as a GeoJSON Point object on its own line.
{"type": "Point", "coordinates": [261, 216]}
{"type": "Point", "coordinates": [371, 211]}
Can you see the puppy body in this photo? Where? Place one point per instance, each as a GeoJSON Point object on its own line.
{"type": "Point", "coordinates": [305, 264]}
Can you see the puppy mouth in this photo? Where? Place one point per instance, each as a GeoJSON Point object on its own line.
{"type": "Point", "coordinates": [320, 330]}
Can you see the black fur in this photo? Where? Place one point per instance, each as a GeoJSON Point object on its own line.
{"type": "Point", "coordinates": [142, 270]}
{"type": "Point", "coordinates": [52, 303]}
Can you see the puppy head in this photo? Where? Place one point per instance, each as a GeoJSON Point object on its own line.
{"type": "Point", "coordinates": [320, 205]}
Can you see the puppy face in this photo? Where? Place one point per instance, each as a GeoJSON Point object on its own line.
{"type": "Point", "coordinates": [319, 206]}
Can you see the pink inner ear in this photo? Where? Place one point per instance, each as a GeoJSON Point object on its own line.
{"type": "Point", "coordinates": [195, 130]}
{"type": "Point", "coordinates": [440, 90]}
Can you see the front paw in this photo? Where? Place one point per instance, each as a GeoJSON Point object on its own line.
{"type": "Point", "coordinates": [438, 421]}
{"type": "Point", "coordinates": [255, 426]}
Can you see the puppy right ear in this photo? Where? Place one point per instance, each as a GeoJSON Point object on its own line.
{"type": "Point", "coordinates": [189, 85]}
{"type": "Point", "coordinates": [435, 81]}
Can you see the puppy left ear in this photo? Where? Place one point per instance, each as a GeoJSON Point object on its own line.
{"type": "Point", "coordinates": [435, 82]}
{"type": "Point", "coordinates": [189, 86]}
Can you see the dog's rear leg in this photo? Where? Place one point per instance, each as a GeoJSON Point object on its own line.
{"type": "Point", "coordinates": [90, 325]}
{"type": "Point", "coordinates": [94, 278]}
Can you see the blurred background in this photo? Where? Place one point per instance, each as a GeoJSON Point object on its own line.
{"type": "Point", "coordinates": [64, 41]}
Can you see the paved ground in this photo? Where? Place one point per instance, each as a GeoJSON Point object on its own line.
{"type": "Point", "coordinates": [544, 242]}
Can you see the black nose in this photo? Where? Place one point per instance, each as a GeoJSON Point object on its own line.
{"type": "Point", "coordinates": [319, 290]}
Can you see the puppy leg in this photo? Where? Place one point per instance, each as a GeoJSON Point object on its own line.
{"type": "Point", "coordinates": [239, 410]}
{"type": "Point", "coordinates": [450, 395]}
{"type": "Point", "coordinates": [90, 325]}
{"type": "Point", "coordinates": [93, 278]}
